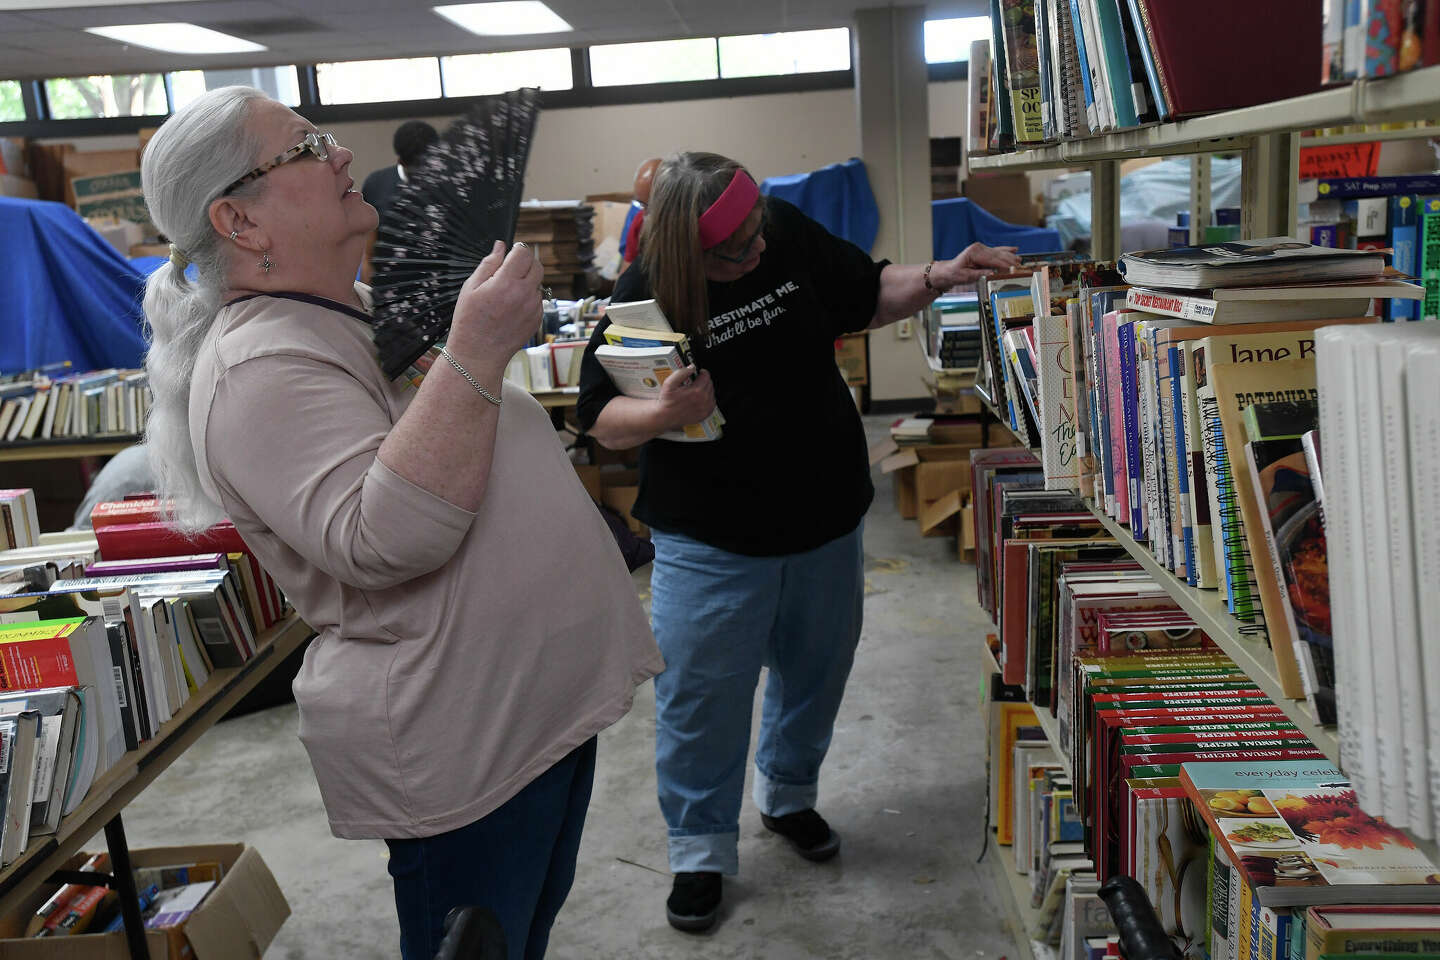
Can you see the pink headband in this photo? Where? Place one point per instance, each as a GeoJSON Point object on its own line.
{"type": "Point", "coordinates": [727, 213]}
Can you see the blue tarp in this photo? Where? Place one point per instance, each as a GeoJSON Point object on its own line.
{"type": "Point", "coordinates": [960, 222]}
{"type": "Point", "coordinates": [838, 197]}
{"type": "Point", "coordinates": [65, 294]}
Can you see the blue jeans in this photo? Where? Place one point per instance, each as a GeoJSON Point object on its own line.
{"type": "Point", "coordinates": [518, 860]}
{"type": "Point", "coordinates": [718, 618]}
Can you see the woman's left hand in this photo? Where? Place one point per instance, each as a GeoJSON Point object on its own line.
{"type": "Point", "coordinates": [974, 262]}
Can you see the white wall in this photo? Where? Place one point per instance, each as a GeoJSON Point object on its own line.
{"type": "Point", "coordinates": [587, 150]}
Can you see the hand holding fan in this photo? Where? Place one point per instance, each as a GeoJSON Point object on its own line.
{"type": "Point", "coordinates": [461, 198]}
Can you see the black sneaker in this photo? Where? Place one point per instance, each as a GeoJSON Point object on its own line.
{"type": "Point", "coordinates": [807, 832]}
{"type": "Point", "coordinates": [694, 902]}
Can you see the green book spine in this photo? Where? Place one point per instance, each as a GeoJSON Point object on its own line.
{"type": "Point", "coordinates": [1430, 257]}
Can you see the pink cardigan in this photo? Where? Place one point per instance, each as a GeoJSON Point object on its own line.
{"type": "Point", "coordinates": [459, 654]}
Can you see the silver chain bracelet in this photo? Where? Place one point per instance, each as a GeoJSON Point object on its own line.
{"type": "Point", "coordinates": [469, 379]}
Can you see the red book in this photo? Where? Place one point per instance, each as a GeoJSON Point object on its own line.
{"type": "Point", "coordinates": [1430, 36]}
{"type": "Point", "coordinates": [131, 541]}
{"type": "Point", "coordinates": [37, 664]}
{"type": "Point", "coordinates": [1278, 41]}
{"type": "Point", "coordinates": [126, 511]}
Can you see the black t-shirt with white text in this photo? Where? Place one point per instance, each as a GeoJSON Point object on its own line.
{"type": "Point", "coordinates": [790, 472]}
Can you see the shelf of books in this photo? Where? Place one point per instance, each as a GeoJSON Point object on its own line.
{"type": "Point", "coordinates": [1224, 461]}
{"type": "Point", "coordinates": [1015, 892]}
{"type": "Point", "coordinates": [1082, 82]}
{"type": "Point", "coordinates": [122, 644]}
{"type": "Point", "coordinates": [1209, 612]}
{"type": "Point", "coordinates": [138, 768]}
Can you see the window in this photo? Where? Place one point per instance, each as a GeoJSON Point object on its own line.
{"type": "Point", "coordinates": [660, 61]}
{"type": "Point", "coordinates": [948, 41]}
{"type": "Point", "coordinates": [770, 54]}
{"type": "Point", "coordinates": [12, 107]}
{"type": "Point", "coordinates": [478, 74]}
{"type": "Point", "coordinates": [374, 81]}
{"type": "Point", "coordinates": [281, 83]}
{"type": "Point", "coordinates": [118, 95]}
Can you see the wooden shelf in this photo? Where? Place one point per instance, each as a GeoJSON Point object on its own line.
{"type": "Point", "coordinates": [68, 448]}
{"type": "Point", "coordinates": [1408, 96]}
{"type": "Point", "coordinates": [139, 768]}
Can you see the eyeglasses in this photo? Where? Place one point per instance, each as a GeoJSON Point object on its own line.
{"type": "Point", "coordinates": [317, 144]}
{"type": "Point", "coordinates": [749, 244]}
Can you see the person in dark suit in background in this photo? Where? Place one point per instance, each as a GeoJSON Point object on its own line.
{"type": "Point", "coordinates": [412, 139]}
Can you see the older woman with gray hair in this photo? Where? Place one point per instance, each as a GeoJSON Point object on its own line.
{"type": "Point", "coordinates": [449, 705]}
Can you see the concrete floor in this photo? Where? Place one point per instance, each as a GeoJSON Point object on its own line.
{"type": "Point", "coordinates": [904, 784]}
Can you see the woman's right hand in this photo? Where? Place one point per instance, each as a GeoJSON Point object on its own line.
{"type": "Point", "coordinates": [686, 397]}
{"type": "Point", "coordinates": [499, 308]}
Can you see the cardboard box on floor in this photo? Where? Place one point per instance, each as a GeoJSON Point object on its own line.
{"type": "Point", "coordinates": [236, 921]}
{"type": "Point", "coordinates": [618, 490]}
{"type": "Point", "coordinates": [925, 474]}
{"type": "Point", "coordinates": [852, 356]}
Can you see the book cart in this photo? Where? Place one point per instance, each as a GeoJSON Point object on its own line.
{"type": "Point", "coordinates": [1267, 139]}
{"type": "Point", "coordinates": [42, 861]}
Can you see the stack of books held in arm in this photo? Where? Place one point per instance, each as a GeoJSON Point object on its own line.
{"type": "Point", "coordinates": [641, 351]}
{"type": "Point", "coordinates": [105, 636]}
{"type": "Point", "coordinates": [56, 402]}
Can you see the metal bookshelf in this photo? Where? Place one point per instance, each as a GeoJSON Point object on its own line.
{"type": "Point", "coordinates": [1407, 96]}
{"type": "Point", "coordinates": [1266, 136]}
{"type": "Point", "coordinates": [1210, 613]}
{"type": "Point", "coordinates": [1015, 892]}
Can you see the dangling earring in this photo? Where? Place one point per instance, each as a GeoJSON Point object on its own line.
{"type": "Point", "coordinates": [265, 262]}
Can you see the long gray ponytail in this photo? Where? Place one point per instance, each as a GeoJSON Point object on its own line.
{"type": "Point", "coordinates": [193, 156]}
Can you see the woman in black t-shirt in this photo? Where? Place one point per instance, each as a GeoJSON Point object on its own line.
{"type": "Point", "coordinates": [758, 555]}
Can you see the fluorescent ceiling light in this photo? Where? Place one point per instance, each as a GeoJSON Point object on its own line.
{"type": "Point", "coordinates": [176, 38]}
{"type": "Point", "coordinates": [504, 18]}
{"type": "Point", "coordinates": [9, 5]}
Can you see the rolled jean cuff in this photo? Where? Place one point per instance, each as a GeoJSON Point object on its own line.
{"type": "Point", "coordinates": [705, 852]}
{"type": "Point", "coordinates": [775, 799]}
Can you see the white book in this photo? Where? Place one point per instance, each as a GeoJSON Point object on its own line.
{"type": "Point", "coordinates": [1396, 341]}
{"type": "Point", "coordinates": [1349, 606]}
{"type": "Point", "coordinates": [1422, 388]}
{"type": "Point", "coordinates": [538, 360]}
{"type": "Point", "coordinates": [1377, 494]}
{"type": "Point", "coordinates": [22, 411]}
{"type": "Point", "coordinates": [639, 372]}
{"type": "Point", "coordinates": [1058, 428]}
{"type": "Point", "coordinates": [19, 755]}
{"type": "Point", "coordinates": [1099, 69]}
{"type": "Point", "coordinates": [1310, 301]}
{"type": "Point", "coordinates": [1149, 482]}
{"type": "Point", "coordinates": [644, 314]}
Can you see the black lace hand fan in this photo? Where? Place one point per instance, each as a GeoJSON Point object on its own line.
{"type": "Point", "coordinates": [462, 197]}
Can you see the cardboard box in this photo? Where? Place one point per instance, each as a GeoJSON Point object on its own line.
{"type": "Point", "coordinates": [1008, 196]}
{"type": "Point", "coordinates": [852, 355]}
{"type": "Point", "coordinates": [12, 185]}
{"type": "Point", "coordinates": [906, 466]}
{"type": "Point", "coordinates": [589, 474]}
{"type": "Point", "coordinates": [95, 163]}
{"type": "Point", "coordinates": [236, 921]}
{"type": "Point", "coordinates": [618, 490]}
